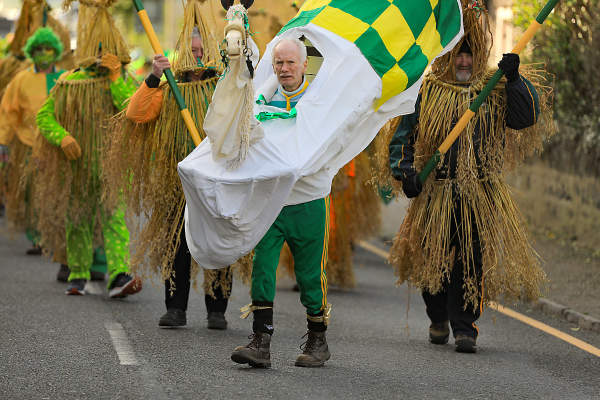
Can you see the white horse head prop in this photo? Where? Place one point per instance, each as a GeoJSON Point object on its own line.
{"type": "Point", "coordinates": [236, 31]}
{"type": "Point", "coordinates": [230, 124]}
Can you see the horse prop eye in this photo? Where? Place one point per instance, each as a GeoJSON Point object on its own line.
{"type": "Point", "coordinates": [226, 4]}
{"type": "Point", "coordinates": [247, 3]}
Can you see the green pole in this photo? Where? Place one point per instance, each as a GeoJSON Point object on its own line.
{"type": "Point", "coordinates": [485, 92]}
{"type": "Point", "coordinates": [185, 113]}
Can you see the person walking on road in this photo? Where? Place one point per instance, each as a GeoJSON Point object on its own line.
{"type": "Point", "coordinates": [463, 241]}
{"type": "Point", "coordinates": [73, 126]}
{"type": "Point", "coordinates": [156, 134]}
{"type": "Point", "coordinates": [22, 99]}
{"type": "Point", "coordinates": [305, 227]}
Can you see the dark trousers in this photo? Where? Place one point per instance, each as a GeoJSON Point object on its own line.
{"type": "Point", "coordinates": [178, 298]}
{"type": "Point", "coordinates": [449, 303]}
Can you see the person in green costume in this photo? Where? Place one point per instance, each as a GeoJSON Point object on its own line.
{"type": "Point", "coordinates": [73, 124]}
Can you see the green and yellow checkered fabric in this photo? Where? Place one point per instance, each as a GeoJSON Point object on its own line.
{"type": "Point", "coordinates": [399, 38]}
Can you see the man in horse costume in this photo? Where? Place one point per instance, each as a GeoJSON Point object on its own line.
{"type": "Point", "coordinates": [265, 175]}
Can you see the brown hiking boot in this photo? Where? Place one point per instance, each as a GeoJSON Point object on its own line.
{"type": "Point", "coordinates": [257, 353]}
{"type": "Point", "coordinates": [465, 344]}
{"type": "Point", "coordinates": [314, 351]}
{"type": "Point", "coordinates": [439, 332]}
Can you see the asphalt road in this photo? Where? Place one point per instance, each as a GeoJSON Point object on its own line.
{"type": "Point", "coordinates": [54, 346]}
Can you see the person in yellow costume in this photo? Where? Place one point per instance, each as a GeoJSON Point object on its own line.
{"type": "Point", "coordinates": [22, 99]}
{"type": "Point", "coordinates": [34, 14]}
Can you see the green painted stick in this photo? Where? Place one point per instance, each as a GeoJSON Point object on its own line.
{"type": "Point", "coordinates": [185, 113]}
{"type": "Point", "coordinates": [485, 92]}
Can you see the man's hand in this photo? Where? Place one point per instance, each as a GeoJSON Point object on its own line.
{"type": "Point", "coordinates": [412, 186]}
{"type": "Point", "coordinates": [70, 147]}
{"type": "Point", "coordinates": [159, 64]}
{"type": "Point", "coordinates": [113, 64]}
{"type": "Point", "coordinates": [510, 66]}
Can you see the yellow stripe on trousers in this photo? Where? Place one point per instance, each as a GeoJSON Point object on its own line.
{"type": "Point", "coordinates": [325, 254]}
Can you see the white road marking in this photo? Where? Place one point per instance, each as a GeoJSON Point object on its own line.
{"type": "Point", "coordinates": [121, 343]}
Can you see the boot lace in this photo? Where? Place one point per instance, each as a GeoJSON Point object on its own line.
{"type": "Point", "coordinates": [254, 341]}
{"type": "Point", "coordinates": [310, 344]}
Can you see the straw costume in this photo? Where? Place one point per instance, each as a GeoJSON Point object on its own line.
{"type": "Point", "coordinates": [34, 14]}
{"type": "Point", "coordinates": [73, 126]}
{"type": "Point", "coordinates": [463, 241]}
{"type": "Point", "coordinates": [146, 152]}
{"type": "Point", "coordinates": [22, 99]}
{"type": "Point", "coordinates": [355, 215]}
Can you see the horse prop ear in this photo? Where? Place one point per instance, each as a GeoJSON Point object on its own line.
{"type": "Point", "coordinates": [247, 3]}
{"type": "Point", "coordinates": [226, 4]}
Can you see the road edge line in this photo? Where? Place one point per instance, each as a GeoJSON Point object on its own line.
{"type": "Point", "coordinates": [518, 316]}
{"type": "Point", "coordinates": [545, 328]}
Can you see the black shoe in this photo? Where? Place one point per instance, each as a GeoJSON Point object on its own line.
{"type": "Point", "coordinates": [173, 318]}
{"type": "Point", "coordinates": [296, 288]}
{"type": "Point", "coordinates": [34, 251]}
{"type": "Point", "coordinates": [257, 353]}
{"type": "Point", "coordinates": [465, 344]}
{"type": "Point", "coordinates": [439, 332]}
{"type": "Point", "coordinates": [76, 287]}
{"type": "Point", "coordinates": [63, 273]}
{"type": "Point", "coordinates": [123, 286]}
{"type": "Point", "coordinates": [216, 320]}
{"type": "Point", "coordinates": [314, 351]}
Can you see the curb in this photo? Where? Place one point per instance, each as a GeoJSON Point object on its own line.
{"type": "Point", "coordinates": [583, 321]}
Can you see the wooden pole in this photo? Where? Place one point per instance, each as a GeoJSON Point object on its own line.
{"type": "Point", "coordinates": [485, 92]}
{"type": "Point", "coordinates": [185, 113]}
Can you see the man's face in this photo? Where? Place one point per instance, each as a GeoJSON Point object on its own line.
{"type": "Point", "coordinates": [464, 66]}
{"type": "Point", "coordinates": [287, 66]}
{"type": "Point", "coordinates": [197, 48]}
{"type": "Point", "coordinates": [43, 57]}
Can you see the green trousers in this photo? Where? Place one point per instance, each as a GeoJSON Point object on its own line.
{"type": "Point", "coordinates": [80, 246]}
{"type": "Point", "coordinates": [305, 228]}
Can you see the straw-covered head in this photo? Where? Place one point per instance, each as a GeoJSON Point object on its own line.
{"type": "Point", "coordinates": [197, 47]}
{"type": "Point", "coordinates": [97, 33]}
{"type": "Point", "coordinates": [477, 42]}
